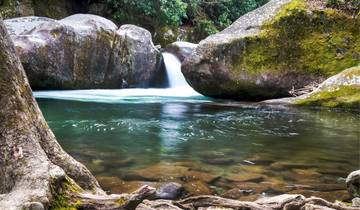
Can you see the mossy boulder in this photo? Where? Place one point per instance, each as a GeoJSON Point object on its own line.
{"type": "Point", "coordinates": [78, 52]}
{"type": "Point", "coordinates": [341, 90]}
{"type": "Point", "coordinates": [284, 45]}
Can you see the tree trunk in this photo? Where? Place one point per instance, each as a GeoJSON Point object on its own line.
{"type": "Point", "coordinates": [31, 160]}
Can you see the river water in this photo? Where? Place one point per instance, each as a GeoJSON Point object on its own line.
{"type": "Point", "coordinates": [238, 150]}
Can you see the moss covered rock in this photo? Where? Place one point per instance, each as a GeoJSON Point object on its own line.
{"type": "Point", "coordinates": [266, 53]}
{"type": "Point", "coordinates": [341, 90]}
{"type": "Point", "coordinates": [81, 52]}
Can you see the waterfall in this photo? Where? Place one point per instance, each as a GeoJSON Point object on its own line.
{"type": "Point", "coordinates": [178, 88]}
{"type": "Point", "coordinates": [173, 70]}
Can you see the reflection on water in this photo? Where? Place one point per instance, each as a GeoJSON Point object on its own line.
{"type": "Point", "coordinates": [212, 147]}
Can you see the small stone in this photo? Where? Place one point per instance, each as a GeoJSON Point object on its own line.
{"type": "Point", "coordinates": [170, 191]}
{"type": "Point", "coordinates": [356, 202]}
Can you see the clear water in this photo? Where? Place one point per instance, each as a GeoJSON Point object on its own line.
{"type": "Point", "coordinates": [209, 146]}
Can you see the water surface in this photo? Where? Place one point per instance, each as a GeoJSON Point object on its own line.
{"type": "Point", "coordinates": [210, 147]}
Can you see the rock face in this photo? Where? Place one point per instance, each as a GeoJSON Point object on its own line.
{"type": "Point", "coordinates": [137, 55]}
{"type": "Point", "coordinates": [283, 45]}
{"type": "Point", "coordinates": [181, 49]}
{"type": "Point", "coordinates": [82, 52]}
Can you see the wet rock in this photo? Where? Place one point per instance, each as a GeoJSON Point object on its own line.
{"type": "Point", "coordinates": [170, 191]}
{"type": "Point", "coordinates": [353, 183]}
{"type": "Point", "coordinates": [219, 161]}
{"type": "Point", "coordinates": [82, 52]}
{"type": "Point", "coordinates": [197, 188]}
{"type": "Point", "coordinates": [180, 49]}
{"type": "Point", "coordinates": [246, 177]}
{"type": "Point", "coordinates": [168, 172]}
{"type": "Point", "coordinates": [114, 184]}
{"type": "Point", "coordinates": [290, 165]}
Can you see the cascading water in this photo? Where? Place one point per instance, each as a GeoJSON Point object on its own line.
{"type": "Point", "coordinates": [178, 88]}
{"type": "Point", "coordinates": [173, 70]}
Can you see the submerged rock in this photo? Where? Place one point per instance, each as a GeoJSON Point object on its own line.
{"type": "Point", "coordinates": [82, 52]}
{"type": "Point", "coordinates": [170, 191]}
{"type": "Point", "coordinates": [284, 45]}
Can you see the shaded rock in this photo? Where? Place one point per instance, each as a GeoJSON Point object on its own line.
{"type": "Point", "coordinates": [180, 49]}
{"type": "Point", "coordinates": [353, 183]}
{"type": "Point", "coordinates": [82, 52]}
{"type": "Point", "coordinates": [246, 177]}
{"type": "Point", "coordinates": [219, 161]}
{"type": "Point", "coordinates": [137, 55]}
{"type": "Point", "coordinates": [281, 46]}
{"type": "Point", "coordinates": [170, 190]}
{"type": "Point", "coordinates": [290, 165]}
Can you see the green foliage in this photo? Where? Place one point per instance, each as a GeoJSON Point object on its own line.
{"type": "Point", "coordinates": [161, 12]}
{"type": "Point", "coordinates": [206, 17]}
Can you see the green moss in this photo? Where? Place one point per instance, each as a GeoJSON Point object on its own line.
{"type": "Point", "coordinates": [63, 200]}
{"type": "Point", "coordinates": [121, 201]}
{"type": "Point", "coordinates": [344, 96]}
{"type": "Point", "coordinates": [318, 42]}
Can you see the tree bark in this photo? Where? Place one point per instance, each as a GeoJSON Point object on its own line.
{"type": "Point", "coordinates": [31, 160]}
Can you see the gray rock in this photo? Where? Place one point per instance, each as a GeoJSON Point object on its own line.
{"type": "Point", "coordinates": [353, 183]}
{"type": "Point", "coordinates": [83, 52]}
{"type": "Point", "coordinates": [181, 49]}
{"type": "Point", "coordinates": [356, 202]}
{"type": "Point", "coordinates": [170, 191]}
{"type": "Point", "coordinates": [137, 55]}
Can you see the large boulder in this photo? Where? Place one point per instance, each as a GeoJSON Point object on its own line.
{"type": "Point", "coordinates": [284, 45]}
{"type": "Point", "coordinates": [137, 54]}
{"type": "Point", "coordinates": [78, 52]}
